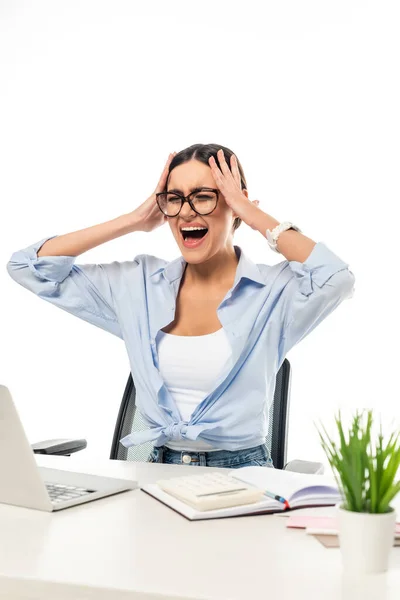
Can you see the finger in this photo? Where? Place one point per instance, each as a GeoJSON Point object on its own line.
{"type": "Point", "coordinates": [215, 170]}
{"type": "Point", "coordinates": [235, 170]}
{"type": "Point", "coordinates": [222, 163]}
{"type": "Point", "coordinates": [219, 178]}
{"type": "Point", "coordinates": [164, 175]}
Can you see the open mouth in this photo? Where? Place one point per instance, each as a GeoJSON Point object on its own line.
{"type": "Point", "coordinates": [193, 233]}
{"type": "Point", "coordinates": [193, 236]}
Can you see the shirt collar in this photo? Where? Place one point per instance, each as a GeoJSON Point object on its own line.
{"type": "Point", "coordinates": [246, 268]}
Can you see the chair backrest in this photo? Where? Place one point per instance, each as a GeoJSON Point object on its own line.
{"type": "Point", "coordinates": [130, 420]}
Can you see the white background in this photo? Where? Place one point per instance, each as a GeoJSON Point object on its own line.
{"type": "Point", "coordinates": [94, 96]}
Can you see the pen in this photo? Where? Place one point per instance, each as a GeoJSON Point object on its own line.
{"type": "Point", "coordinates": [276, 497]}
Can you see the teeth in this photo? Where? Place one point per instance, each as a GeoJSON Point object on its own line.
{"type": "Point", "coordinates": [193, 228]}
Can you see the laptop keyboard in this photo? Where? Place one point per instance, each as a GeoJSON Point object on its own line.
{"type": "Point", "coordinates": [61, 493]}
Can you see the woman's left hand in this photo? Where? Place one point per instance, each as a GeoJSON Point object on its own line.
{"type": "Point", "coordinates": [228, 182]}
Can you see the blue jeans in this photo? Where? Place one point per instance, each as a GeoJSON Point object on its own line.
{"type": "Point", "coordinates": [249, 457]}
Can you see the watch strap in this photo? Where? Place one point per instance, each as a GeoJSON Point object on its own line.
{"type": "Point", "coordinates": [272, 236]}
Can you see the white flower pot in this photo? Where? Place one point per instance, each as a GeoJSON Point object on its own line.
{"type": "Point", "coordinates": [365, 540]}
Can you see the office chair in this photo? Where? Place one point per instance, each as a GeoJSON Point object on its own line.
{"type": "Point", "coordinates": [130, 420]}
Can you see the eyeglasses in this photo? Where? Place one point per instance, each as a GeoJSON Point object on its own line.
{"type": "Point", "coordinates": [202, 200]}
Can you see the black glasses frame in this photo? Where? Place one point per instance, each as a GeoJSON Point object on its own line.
{"type": "Point", "coordinates": [188, 200]}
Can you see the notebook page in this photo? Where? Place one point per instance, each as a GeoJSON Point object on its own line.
{"type": "Point", "coordinates": [315, 495]}
{"type": "Point", "coordinates": [283, 483]}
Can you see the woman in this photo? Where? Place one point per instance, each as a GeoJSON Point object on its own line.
{"type": "Point", "coordinates": [205, 333]}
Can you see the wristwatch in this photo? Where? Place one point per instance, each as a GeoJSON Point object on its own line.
{"type": "Point", "coordinates": [272, 236]}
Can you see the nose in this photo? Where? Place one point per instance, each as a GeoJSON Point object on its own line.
{"type": "Point", "coordinates": [187, 210]}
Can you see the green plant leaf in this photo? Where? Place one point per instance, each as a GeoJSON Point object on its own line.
{"type": "Point", "coordinates": [364, 469]}
{"type": "Point", "coordinates": [390, 494]}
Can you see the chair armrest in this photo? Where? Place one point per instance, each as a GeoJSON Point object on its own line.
{"type": "Point", "coordinates": [61, 447]}
{"type": "Point", "coordinates": [305, 466]}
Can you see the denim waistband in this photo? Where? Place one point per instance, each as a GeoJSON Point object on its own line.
{"type": "Point", "coordinates": [255, 456]}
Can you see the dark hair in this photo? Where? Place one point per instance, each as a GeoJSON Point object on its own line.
{"type": "Point", "coordinates": [202, 153]}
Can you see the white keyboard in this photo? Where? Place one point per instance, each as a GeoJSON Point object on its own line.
{"type": "Point", "coordinates": [211, 490]}
{"type": "Point", "coordinates": [60, 493]}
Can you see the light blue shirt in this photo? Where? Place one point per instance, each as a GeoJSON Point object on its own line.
{"type": "Point", "coordinates": [268, 310]}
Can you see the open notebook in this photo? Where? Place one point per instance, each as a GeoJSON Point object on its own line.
{"type": "Point", "coordinates": [300, 490]}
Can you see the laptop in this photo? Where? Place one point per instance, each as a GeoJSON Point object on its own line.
{"type": "Point", "coordinates": [23, 483]}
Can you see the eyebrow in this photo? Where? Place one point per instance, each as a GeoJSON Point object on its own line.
{"type": "Point", "coordinates": [196, 189]}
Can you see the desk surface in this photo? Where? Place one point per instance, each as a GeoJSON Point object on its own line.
{"type": "Point", "coordinates": [132, 546]}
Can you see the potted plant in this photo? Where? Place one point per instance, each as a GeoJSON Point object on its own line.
{"type": "Point", "coordinates": [365, 471]}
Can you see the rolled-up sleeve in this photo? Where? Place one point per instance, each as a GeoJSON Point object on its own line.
{"type": "Point", "coordinates": [82, 290]}
{"type": "Point", "coordinates": [316, 287]}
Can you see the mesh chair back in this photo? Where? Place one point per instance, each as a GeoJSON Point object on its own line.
{"type": "Point", "coordinates": [129, 420]}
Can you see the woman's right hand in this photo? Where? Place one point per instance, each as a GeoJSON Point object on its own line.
{"type": "Point", "coordinates": [148, 216]}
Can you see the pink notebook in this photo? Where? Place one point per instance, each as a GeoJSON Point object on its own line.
{"type": "Point", "coordinates": [323, 524]}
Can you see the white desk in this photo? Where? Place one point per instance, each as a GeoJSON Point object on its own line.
{"type": "Point", "coordinates": [130, 546]}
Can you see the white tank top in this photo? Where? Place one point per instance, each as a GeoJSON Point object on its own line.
{"type": "Point", "coordinates": [190, 367]}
